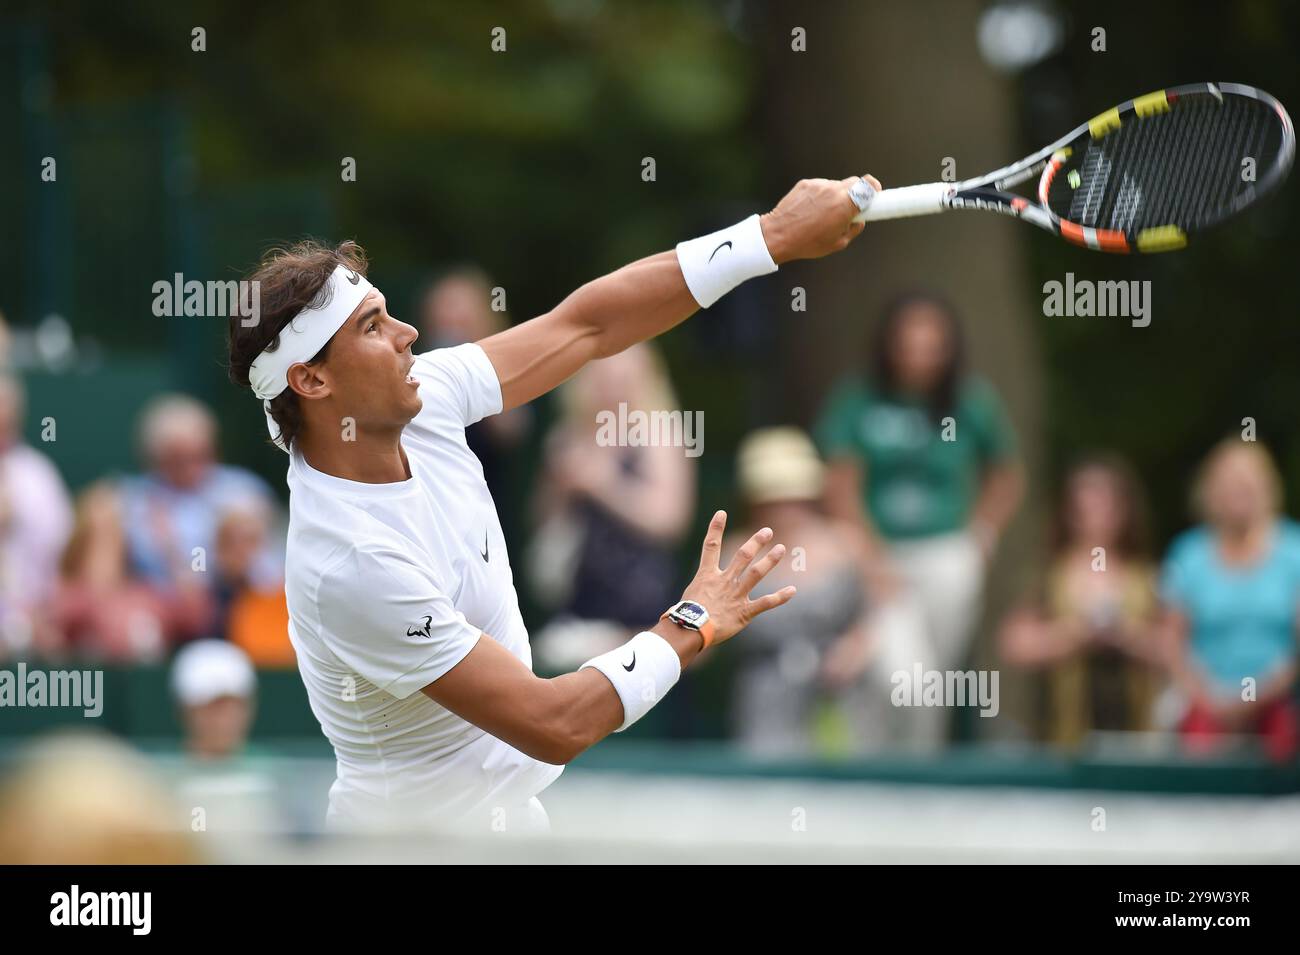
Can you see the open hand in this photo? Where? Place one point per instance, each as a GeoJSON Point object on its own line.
{"type": "Point", "coordinates": [724, 592]}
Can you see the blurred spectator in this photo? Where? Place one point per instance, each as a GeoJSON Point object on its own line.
{"type": "Point", "coordinates": [921, 459]}
{"type": "Point", "coordinates": [251, 616]}
{"type": "Point", "coordinates": [89, 799]}
{"type": "Point", "coordinates": [214, 684]}
{"type": "Point", "coordinates": [1091, 630]}
{"type": "Point", "coordinates": [171, 512]}
{"type": "Point", "coordinates": [791, 658]}
{"type": "Point", "coordinates": [611, 516]}
{"type": "Point", "coordinates": [455, 309]}
{"type": "Point", "coordinates": [1232, 589]}
{"type": "Point", "coordinates": [232, 782]}
{"type": "Point", "coordinates": [35, 519]}
{"type": "Point", "coordinates": [100, 612]}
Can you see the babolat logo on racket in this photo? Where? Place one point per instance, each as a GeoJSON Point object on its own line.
{"type": "Point", "coordinates": [1141, 177]}
{"type": "Point", "coordinates": [958, 202]}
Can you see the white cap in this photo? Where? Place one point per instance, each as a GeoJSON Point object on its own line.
{"type": "Point", "coordinates": [206, 670]}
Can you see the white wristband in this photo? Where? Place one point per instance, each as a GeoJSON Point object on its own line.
{"type": "Point", "coordinates": [715, 264]}
{"type": "Point", "coordinates": [642, 670]}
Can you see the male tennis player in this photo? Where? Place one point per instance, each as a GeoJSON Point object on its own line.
{"type": "Point", "coordinates": [402, 606]}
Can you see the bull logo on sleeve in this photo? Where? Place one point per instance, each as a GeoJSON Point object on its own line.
{"type": "Point", "coordinates": [425, 631]}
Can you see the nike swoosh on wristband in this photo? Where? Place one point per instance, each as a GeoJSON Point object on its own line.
{"type": "Point", "coordinates": [629, 667]}
{"type": "Point", "coordinates": [726, 244]}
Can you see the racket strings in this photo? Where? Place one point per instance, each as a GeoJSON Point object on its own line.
{"type": "Point", "coordinates": [1221, 187]}
{"type": "Point", "coordinates": [1258, 148]}
{"type": "Point", "coordinates": [1177, 140]}
{"type": "Point", "coordinates": [1183, 167]}
{"type": "Point", "coordinates": [1178, 163]}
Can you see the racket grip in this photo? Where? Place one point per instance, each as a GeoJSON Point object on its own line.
{"type": "Point", "coordinates": [920, 200]}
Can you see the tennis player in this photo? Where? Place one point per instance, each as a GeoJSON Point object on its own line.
{"type": "Point", "coordinates": [403, 612]}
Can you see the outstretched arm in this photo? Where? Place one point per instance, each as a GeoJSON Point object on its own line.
{"type": "Point", "coordinates": [650, 296]}
{"type": "Point", "coordinates": [556, 719]}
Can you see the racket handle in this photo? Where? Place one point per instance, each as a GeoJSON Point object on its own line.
{"type": "Point", "coordinates": [920, 200]}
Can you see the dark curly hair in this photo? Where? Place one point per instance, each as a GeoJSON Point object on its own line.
{"type": "Point", "coordinates": [289, 279]}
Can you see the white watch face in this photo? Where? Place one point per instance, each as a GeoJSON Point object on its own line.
{"type": "Point", "coordinates": [690, 614]}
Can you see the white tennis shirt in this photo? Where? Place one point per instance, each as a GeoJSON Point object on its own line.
{"type": "Point", "coordinates": [389, 586]}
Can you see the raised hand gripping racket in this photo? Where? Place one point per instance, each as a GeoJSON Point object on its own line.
{"type": "Point", "coordinates": [1141, 176]}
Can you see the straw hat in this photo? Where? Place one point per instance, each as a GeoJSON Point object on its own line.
{"type": "Point", "coordinates": [779, 464]}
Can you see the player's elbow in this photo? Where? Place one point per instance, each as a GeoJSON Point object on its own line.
{"type": "Point", "coordinates": [553, 747]}
{"type": "Point", "coordinates": [565, 742]}
{"type": "Point", "coordinates": [560, 753]}
{"type": "Point", "coordinates": [565, 732]}
{"type": "Point", "coordinates": [549, 743]}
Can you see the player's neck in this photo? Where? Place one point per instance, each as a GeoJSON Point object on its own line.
{"type": "Point", "coordinates": [367, 458]}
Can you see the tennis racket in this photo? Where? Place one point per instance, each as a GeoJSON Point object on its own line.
{"type": "Point", "coordinates": [1140, 177]}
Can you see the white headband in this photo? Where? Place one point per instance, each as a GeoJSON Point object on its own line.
{"type": "Point", "coordinates": [303, 336]}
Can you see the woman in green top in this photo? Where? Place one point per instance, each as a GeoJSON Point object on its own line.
{"type": "Point", "coordinates": [922, 460]}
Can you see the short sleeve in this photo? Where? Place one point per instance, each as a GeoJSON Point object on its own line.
{"type": "Point", "coordinates": [836, 428]}
{"type": "Point", "coordinates": [459, 383]}
{"type": "Point", "coordinates": [385, 618]}
{"type": "Point", "coordinates": [997, 439]}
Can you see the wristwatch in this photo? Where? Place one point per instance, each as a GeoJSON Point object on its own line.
{"type": "Point", "coordinates": [692, 616]}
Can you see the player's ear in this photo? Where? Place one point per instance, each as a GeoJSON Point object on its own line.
{"type": "Point", "coordinates": [309, 381]}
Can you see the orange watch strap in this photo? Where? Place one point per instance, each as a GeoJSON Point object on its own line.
{"type": "Point", "coordinates": [706, 632]}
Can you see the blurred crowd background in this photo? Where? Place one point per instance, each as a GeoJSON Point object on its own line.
{"type": "Point", "coordinates": [1108, 529]}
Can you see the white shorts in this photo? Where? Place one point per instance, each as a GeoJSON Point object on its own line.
{"type": "Point", "coordinates": [528, 818]}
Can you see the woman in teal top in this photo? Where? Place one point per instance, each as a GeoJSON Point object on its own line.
{"type": "Point", "coordinates": [922, 460]}
{"type": "Point", "coordinates": [1232, 589]}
